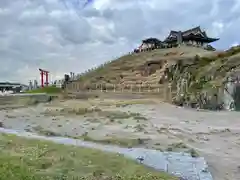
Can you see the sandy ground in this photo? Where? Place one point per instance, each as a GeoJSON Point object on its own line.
{"type": "Point", "coordinates": [146, 123]}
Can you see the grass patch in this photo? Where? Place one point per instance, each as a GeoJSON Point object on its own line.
{"type": "Point", "coordinates": [123, 142]}
{"type": "Point", "coordinates": [48, 90]}
{"type": "Point", "coordinates": [45, 132]}
{"type": "Point", "coordinates": [138, 116]}
{"type": "Point", "coordinates": [80, 111]}
{"type": "Point", "coordinates": [133, 102]}
{"type": "Point", "coordinates": [176, 146]}
{"type": "Point", "coordinates": [121, 115]}
{"type": "Point", "coordinates": [71, 111]}
{"type": "Point", "coordinates": [23, 159]}
{"type": "Point", "coordinates": [115, 114]}
{"type": "Point", "coordinates": [139, 128]}
{"type": "Point", "coordinates": [112, 115]}
{"type": "Point", "coordinates": [193, 153]}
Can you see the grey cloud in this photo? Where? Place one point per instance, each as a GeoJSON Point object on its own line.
{"type": "Point", "coordinates": [137, 22]}
{"type": "Point", "coordinates": [76, 31]}
{"type": "Point", "coordinates": [47, 34]}
{"type": "Point", "coordinates": [88, 13]}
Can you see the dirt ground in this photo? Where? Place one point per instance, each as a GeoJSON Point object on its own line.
{"type": "Point", "coordinates": [139, 122]}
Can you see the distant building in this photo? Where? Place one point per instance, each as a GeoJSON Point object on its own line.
{"type": "Point", "coordinates": [35, 84]}
{"type": "Point", "coordinates": [59, 83]}
{"type": "Point", "coordinates": [30, 85]}
{"type": "Point", "coordinates": [15, 87]}
{"type": "Point", "coordinates": [149, 44]}
{"type": "Point", "coordinates": [192, 37]}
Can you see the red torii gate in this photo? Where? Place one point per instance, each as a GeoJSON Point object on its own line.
{"type": "Point", "coordinates": [42, 73]}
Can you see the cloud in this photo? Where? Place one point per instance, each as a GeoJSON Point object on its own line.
{"type": "Point", "coordinates": [63, 37]}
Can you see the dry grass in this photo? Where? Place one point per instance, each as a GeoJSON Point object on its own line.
{"type": "Point", "coordinates": [96, 108]}
{"type": "Point", "coordinates": [71, 111]}
{"type": "Point", "coordinates": [45, 132]}
{"type": "Point", "coordinates": [125, 103]}
{"type": "Point", "coordinates": [177, 146]}
{"type": "Point", "coordinates": [127, 68]}
{"type": "Point", "coordinates": [121, 115]}
{"type": "Point", "coordinates": [123, 142]}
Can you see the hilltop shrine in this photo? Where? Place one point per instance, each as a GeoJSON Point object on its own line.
{"type": "Point", "coordinates": [192, 37]}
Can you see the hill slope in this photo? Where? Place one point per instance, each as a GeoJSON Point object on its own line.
{"type": "Point", "coordinates": [192, 72]}
{"type": "Point", "coordinates": [145, 67]}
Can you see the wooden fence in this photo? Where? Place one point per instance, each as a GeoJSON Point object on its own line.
{"type": "Point", "coordinates": [75, 87]}
{"type": "Point", "coordinates": [163, 91]}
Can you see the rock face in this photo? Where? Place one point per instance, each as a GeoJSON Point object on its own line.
{"type": "Point", "coordinates": [151, 67]}
{"type": "Point", "coordinates": [206, 82]}
{"type": "Point", "coordinates": [231, 96]}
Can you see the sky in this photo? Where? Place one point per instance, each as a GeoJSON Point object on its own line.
{"type": "Point", "coordinates": [61, 36]}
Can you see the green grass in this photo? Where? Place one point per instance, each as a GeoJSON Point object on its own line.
{"type": "Point", "coordinates": [48, 90]}
{"type": "Point", "coordinates": [24, 159]}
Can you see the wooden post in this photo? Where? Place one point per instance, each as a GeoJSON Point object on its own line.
{"type": "Point", "coordinates": [170, 92]}
{"type": "Point", "coordinates": [90, 89]}
{"type": "Point", "coordinates": [165, 91]}
{"type": "Point", "coordinates": [74, 87]}
{"type": "Point", "coordinates": [114, 88]}
{"type": "Point", "coordinates": [101, 88]}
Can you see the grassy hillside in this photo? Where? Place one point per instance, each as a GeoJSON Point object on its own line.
{"type": "Point", "coordinates": [23, 159]}
{"type": "Point", "coordinates": [145, 67]}
{"type": "Point", "coordinates": [48, 90]}
{"type": "Point", "coordinates": [191, 71]}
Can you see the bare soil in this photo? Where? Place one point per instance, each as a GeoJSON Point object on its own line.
{"type": "Point", "coordinates": [139, 122]}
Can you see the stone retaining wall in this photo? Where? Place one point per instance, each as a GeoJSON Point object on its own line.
{"type": "Point", "coordinates": [24, 99]}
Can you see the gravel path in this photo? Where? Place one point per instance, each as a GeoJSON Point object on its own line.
{"type": "Point", "coordinates": [215, 135]}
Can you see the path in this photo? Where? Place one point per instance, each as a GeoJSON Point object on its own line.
{"type": "Point", "coordinates": [216, 135]}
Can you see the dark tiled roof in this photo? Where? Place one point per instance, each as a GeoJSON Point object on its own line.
{"type": "Point", "coordinates": [195, 32]}
{"type": "Point", "coordinates": [151, 40]}
{"type": "Point", "coordinates": [200, 37]}
{"type": "Point", "coordinates": [173, 32]}
{"type": "Point", "coordinates": [8, 83]}
{"type": "Point", "coordinates": [195, 29]}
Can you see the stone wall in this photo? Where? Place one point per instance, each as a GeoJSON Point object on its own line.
{"type": "Point", "coordinates": [24, 99]}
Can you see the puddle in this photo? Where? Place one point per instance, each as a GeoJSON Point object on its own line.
{"type": "Point", "coordinates": [179, 164]}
